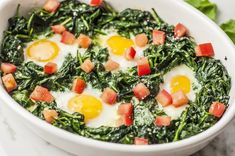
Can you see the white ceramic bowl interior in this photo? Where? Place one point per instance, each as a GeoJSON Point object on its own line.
{"type": "Point", "coordinates": [172, 11]}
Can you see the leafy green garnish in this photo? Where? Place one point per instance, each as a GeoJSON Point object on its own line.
{"type": "Point", "coordinates": [206, 7]}
{"type": "Point", "coordinates": [229, 29]}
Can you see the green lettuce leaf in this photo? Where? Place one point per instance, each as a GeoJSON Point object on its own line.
{"type": "Point", "coordinates": [229, 29]}
{"type": "Point", "coordinates": [205, 6]}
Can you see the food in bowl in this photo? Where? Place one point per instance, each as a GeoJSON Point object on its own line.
{"type": "Point", "coordinates": [124, 77]}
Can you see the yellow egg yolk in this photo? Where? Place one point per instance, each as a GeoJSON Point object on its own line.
{"type": "Point", "coordinates": [87, 105]}
{"type": "Point", "coordinates": [43, 50]}
{"type": "Point", "coordinates": [180, 82]}
{"type": "Point", "coordinates": [119, 44]}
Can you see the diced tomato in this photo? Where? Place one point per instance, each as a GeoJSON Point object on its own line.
{"type": "Point", "coordinates": [9, 82]}
{"type": "Point", "coordinates": [87, 66]}
{"type": "Point", "coordinates": [41, 94]}
{"type": "Point", "coordinates": [125, 120]}
{"type": "Point", "coordinates": [84, 41]}
{"type": "Point", "coordinates": [143, 67]}
{"type": "Point", "coordinates": [159, 37]}
{"type": "Point", "coordinates": [179, 99]}
{"type": "Point", "coordinates": [78, 85]}
{"type": "Point", "coordinates": [141, 91]}
{"type": "Point", "coordinates": [125, 109]}
{"type": "Point", "coordinates": [109, 96]}
{"type": "Point", "coordinates": [8, 68]}
{"type": "Point", "coordinates": [205, 49]}
{"type": "Point", "coordinates": [51, 5]}
{"type": "Point", "coordinates": [96, 2]}
{"type": "Point", "coordinates": [50, 115]}
{"type": "Point", "coordinates": [217, 109]}
{"type": "Point", "coordinates": [141, 40]}
{"type": "Point", "coordinates": [162, 121]}
{"type": "Point", "coordinates": [130, 53]}
{"type": "Point", "coordinates": [67, 37]}
{"type": "Point", "coordinates": [50, 68]}
{"type": "Point", "coordinates": [164, 98]}
{"type": "Point", "coordinates": [141, 141]}
{"type": "Point", "coordinates": [180, 30]}
{"type": "Point", "coordinates": [58, 29]}
{"type": "Point", "coordinates": [111, 65]}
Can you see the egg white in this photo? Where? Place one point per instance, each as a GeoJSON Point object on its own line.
{"type": "Point", "coordinates": [107, 117]}
{"type": "Point", "coordinates": [63, 52]}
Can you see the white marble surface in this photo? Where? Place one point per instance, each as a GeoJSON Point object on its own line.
{"type": "Point", "coordinates": [17, 140]}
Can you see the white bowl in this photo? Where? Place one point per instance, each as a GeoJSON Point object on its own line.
{"type": "Point", "coordinates": [172, 11]}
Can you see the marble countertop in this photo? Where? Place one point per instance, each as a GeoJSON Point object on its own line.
{"type": "Point", "coordinates": [17, 140]}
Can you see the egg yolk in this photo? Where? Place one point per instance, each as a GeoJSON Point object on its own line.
{"type": "Point", "coordinates": [180, 82]}
{"type": "Point", "coordinates": [87, 105]}
{"type": "Point", "coordinates": [43, 50]}
{"type": "Point", "coordinates": [119, 44]}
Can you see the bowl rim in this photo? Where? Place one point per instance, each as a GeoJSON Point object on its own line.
{"type": "Point", "coordinates": [191, 141]}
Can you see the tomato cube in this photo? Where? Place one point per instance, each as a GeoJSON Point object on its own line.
{"type": "Point", "coordinates": [179, 99]}
{"type": "Point", "coordinates": [141, 91]}
{"type": "Point", "coordinates": [125, 109]}
{"type": "Point", "coordinates": [180, 30]}
{"type": "Point", "coordinates": [78, 86]}
{"type": "Point", "coordinates": [111, 65]}
{"type": "Point", "coordinates": [217, 109]}
{"type": "Point", "coordinates": [109, 96]}
{"type": "Point", "coordinates": [96, 2]}
{"type": "Point", "coordinates": [159, 37]}
{"type": "Point", "coordinates": [125, 120]}
{"type": "Point", "coordinates": [164, 98]}
{"type": "Point", "coordinates": [141, 141]}
{"type": "Point", "coordinates": [205, 49]}
{"type": "Point", "coordinates": [58, 29]}
{"type": "Point", "coordinates": [8, 68]}
{"type": "Point", "coordinates": [41, 94]}
{"type": "Point", "coordinates": [67, 37]}
{"type": "Point", "coordinates": [50, 115]}
{"type": "Point", "coordinates": [130, 53]}
{"type": "Point", "coordinates": [84, 41]}
{"type": "Point", "coordinates": [87, 66]}
{"type": "Point", "coordinates": [9, 82]}
{"type": "Point", "coordinates": [162, 121]}
{"type": "Point", "coordinates": [50, 68]}
{"type": "Point", "coordinates": [141, 40]}
{"type": "Point", "coordinates": [143, 67]}
{"type": "Point", "coordinates": [51, 5]}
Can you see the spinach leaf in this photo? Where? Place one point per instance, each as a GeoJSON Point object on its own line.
{"type": "Point", "coordinates": [229, 29]}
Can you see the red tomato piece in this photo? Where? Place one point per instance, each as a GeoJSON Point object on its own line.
{"type": "Point", "coordinates": [130, 53]}
{"type": "Point", "coordinates": [50, 68]}
{"type": "Point", "coordinates": [125, 109]}
{"type": "Point", "coordinates": [87, 66]}
{"type": "Point", "coordinates": [143, 67]}
{"type": "Point", "coordinates": [141, 91]}
{"type": "Point", "coordinates": [205, 49]}
{"type": "Point", "coordinates": [50, 115]}
{"type": "Point", "coordinates": [9, 82]}
{"type": "Point", "coordinates": [125, 120]}
{"type": "Point", "coordinates": [141, 141]}
{"type": "Point", "coordinates": [41, 94]}
{"type": "Point", "coordinates": [109, 96]}
{"type": "Point", "coordinates": [111, 65]}
{"type": "Point", "coordinates": [96, 2]}
{"type": "Point", "coordinates": [141, 40]}
{"type": "Point", "coordinates": [67, 37]}
{"type": "Point", "coordinates": [164, 98]}
{"type": "Point", "coordinates": [159, 37]}
{"type": "Point", "coordinates": [179, 99]}
{"type": "Point", "coordinates": [217, 109]}
{"type": "Point", "coordinates": [84, 41]}
{"type": "Point", "coordinates": [58, 29]}
{"type": "Point", "coordinates": [180, 30]}
{"type": "Point", "coordinates": [78, 85]}
{"type": "Point", "coordinates": [8, 68]}
{"type": "Point", "coordinates": [51, 5]}
{"type": "Point", "coordinates": [162, 121]}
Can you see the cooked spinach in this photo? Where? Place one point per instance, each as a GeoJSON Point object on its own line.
{"type": "Point", "coordinates": [77, 17]}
